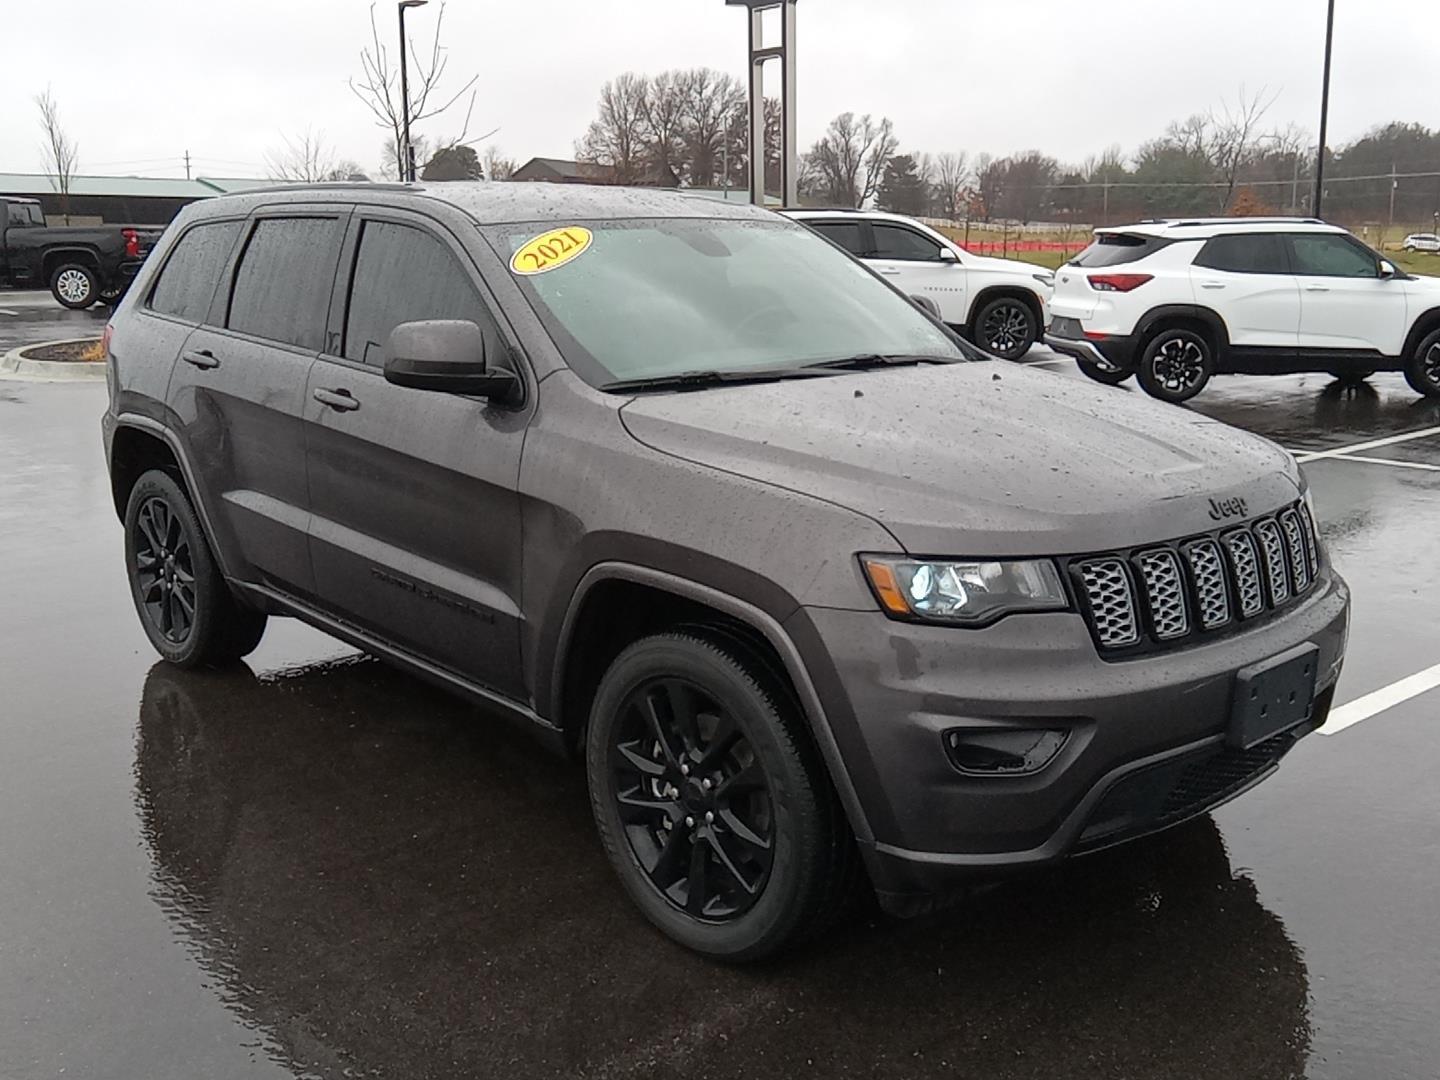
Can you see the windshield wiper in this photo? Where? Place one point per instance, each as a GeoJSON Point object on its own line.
{"type": "Point", "coordinates": [866, 361]}
{"type": "Point", "coordinates": [691, 380]}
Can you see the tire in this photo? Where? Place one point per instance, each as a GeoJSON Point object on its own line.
{"type": "Point", "coordinates": [1422, 370]}
{"type": "Point", "coordinates": [1100, 375]}
{"type": "Point", "coordinates": [1176, 365]}
{"type": "Point", "coordinates": [688, 724]}
{"type": "Point", "coordinates": [74, 286]}
{"type": "Point", "coordinates": [195, 622]}
{"type": "Point", "coordinates": [1006, 328]}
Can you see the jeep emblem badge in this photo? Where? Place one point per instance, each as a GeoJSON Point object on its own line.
{"type": "Point", "coordinates": [1220, 509]}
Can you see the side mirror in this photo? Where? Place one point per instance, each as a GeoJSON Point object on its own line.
{"type": "Point", "coordinates": [948, 256]}
{"type": "Point", "coordinates": [1387, 269]}
{"type": "Point", "coordinates": [446, 355]}
{"type": "Point", "coordinates": [925, 304]}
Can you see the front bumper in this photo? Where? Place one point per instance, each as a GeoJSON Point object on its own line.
{"type": "Point", "coordinates": [1145, 744]}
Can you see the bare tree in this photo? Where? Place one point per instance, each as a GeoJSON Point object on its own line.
{"type": "Point", "coordinates": [378, 86]}
{"type": "Point", "coordinates": [952, 173]}
{"type": "Point", "coordinates": [1235, 137]}
{"type": "Point", "coordinates": [390, 161]}
{"type": "Point", "coordinates": [617, 137]}
{"type": "Point", "coordinates": [663, 111]}
{"type": "Point", "coordinates": [60, 151]}
{"type": "Point", "coordinates": [347, 169]}
{"type": "Point", "coordinates": [711, 101]}
{"type": "Point", "coordinates": [846, 166]}
{"type": "Point", "coordinates": [303, 160]}
{"type": "Point", "coordinates": [989, 184]}
{"type": "Point", "coordinates": [496, 165]}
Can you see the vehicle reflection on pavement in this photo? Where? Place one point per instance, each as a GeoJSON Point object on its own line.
{"type": "Point", "coordinates": [380, 882]}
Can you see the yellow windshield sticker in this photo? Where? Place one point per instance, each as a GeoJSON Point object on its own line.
{"type": "Point", "coordinates": [550, 250]}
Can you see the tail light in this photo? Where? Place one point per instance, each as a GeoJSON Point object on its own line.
{"type": "Point", "coordinates": [132, 243]}
{"type": "Point", "coordinates": [1118, 282]}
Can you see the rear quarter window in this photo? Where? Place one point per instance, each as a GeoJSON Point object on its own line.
{"type": "Point", "coordinates": [1113, 249]}
{"type": "Point", "coordinates": [187, 281]}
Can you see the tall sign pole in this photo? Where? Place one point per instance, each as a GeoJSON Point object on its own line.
{"type": "Point", "coordinates": [760, 54]}
{"type": "Point", "coordinates": [1324, 111]}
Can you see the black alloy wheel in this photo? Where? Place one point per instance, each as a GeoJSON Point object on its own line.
{"type": "Point", "coordinates": [164, 570]}
{"type": "Point", "coordinates": [185, 605]}
{"type": "Point", "coordinates": [1176, 366]}
{"type": "Point", "coordinates": [1422, 371]}
{"type": "Point", "coordinates": [694, 799]}
{"type": "Point", "coordinates": [1005, 328]}
{"type": "Point", "coordinates": [711, 800]}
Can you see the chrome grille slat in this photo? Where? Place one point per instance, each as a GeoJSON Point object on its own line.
{"type": "Point", "coordinates": [1112, 602]}
{"type": "Point", "coordinates": [1272, 551]}
{"type": "Point", "coordinates": [1207, 570]}
{"type": "Point", "coordinates": [1295, 548]}
{"type": "Point", "coordinates": [1307, 526]}
{"type": "Point", "coordinates": [1245, 565]}
{"type": "Point", "coordinates": [1164, 593]}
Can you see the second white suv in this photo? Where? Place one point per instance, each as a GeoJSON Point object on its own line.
{"type": "Point", "coordinates": [1174, 302]}
{"type": "Point", "coordinates": [999, 304]}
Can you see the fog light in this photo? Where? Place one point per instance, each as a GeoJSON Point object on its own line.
{"type": "Point", "coordinates": [1003, 752]}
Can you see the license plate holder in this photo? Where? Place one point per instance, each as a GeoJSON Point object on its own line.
{"type": "Point", "coordinates": [1273, 696]}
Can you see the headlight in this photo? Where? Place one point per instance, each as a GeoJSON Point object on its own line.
{"type": "Point", "coordinates": [970, 592]}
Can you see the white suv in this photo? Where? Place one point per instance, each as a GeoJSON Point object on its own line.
{"type": "Point", "coordinates": [997, 303]}
{"type": "Point", "coordinates": [1178, 301]}
{"type": "Point", "coordinates": [1421, 241]}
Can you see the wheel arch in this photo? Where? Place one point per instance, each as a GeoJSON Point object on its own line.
{"type": "Point", "coordinates": [1006, 291]}
{"type": "Point", "coordinates": [55, 258]}
{"type": "Point", "coordinates": [1425, 325]}
{"type": "Point", "coordinates": [616, 603]}
{"type": "Point", "coordinates": [1192, 315]}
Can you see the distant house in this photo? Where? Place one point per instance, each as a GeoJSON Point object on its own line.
{"type": "Point", "coordinates": [559, 171]}
{"type": "Point", "coordinates": [120, 200]}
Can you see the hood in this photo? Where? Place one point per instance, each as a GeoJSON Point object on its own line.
{"type": "Point", "coordinates": [1003, 266]}
{"type": "Point", "coordinates": [977, 459]}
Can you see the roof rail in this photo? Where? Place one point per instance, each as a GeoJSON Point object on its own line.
{"type": "Point", "coordinates": [1247, 221]}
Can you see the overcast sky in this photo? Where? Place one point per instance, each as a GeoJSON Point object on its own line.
{"type": "Point", "coordinates": [140, 82]}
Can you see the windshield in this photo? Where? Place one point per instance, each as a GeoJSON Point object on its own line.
{"type": "Point", "coordinates": [642, 299]}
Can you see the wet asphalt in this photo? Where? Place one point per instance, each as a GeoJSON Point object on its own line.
{"type": "Point", "coordinates": [313, 866]}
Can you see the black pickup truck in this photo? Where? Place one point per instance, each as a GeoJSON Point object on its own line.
{"type": "Point", "coordinates": [79, 264]}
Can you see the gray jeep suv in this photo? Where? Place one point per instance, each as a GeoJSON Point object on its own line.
{"type": "Point", "coordinates": [825, 602]}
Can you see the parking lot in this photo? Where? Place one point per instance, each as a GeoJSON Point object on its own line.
{"type": "Point", "coordinates": [314, 866]}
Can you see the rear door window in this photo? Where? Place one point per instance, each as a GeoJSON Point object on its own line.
{"type": "Point", "coordinates": [1332, 255]}
{"type": "Point", "coordinates": [187, 281]}
{"type": "Point", "coordinates": [403, 274]}
{"type": "Point", "coordinates": [1113, 249]}
{"type": "Point", "coordinates": [1244, 253]}
{"type": "Point", "coordinates": [897, 242]}
{"type": "Point", "coordinates": [282, 286]}
{"type": "Point", "coordinates": [849, 235]}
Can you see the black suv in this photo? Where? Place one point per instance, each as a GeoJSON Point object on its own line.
{"type": "Point", "coordinates": [824, 601]}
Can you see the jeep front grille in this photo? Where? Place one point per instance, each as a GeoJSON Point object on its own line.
{"type": "Point", "coordinates": [1162, 595]}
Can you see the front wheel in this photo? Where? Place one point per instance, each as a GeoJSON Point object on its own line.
{"type": "Point", "coordinates": [185, 607]}
{"type": "Point", "coordinates": [74, 285]}
{"type": "Point", "coordinates": [711, 803]}
{"type": "Point", "coordinates": [1176, 365]}
{"type": "Point", "coordinates": [1100, 375]}
{"type": "Point", "coordinates": [1006, 327]}
{"type": "Point", "coordinates": [1422, 370]}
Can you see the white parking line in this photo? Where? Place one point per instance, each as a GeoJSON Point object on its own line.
{"type": "Point", "coordinates": [1377, 701]}
{"type": "Point", "coordinates": [1340, 451]}
{"type": "Point", "coordinates": [1386, 461]}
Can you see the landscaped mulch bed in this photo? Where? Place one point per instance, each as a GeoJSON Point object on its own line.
{"type": "Point", "coordinates": [79, 352]}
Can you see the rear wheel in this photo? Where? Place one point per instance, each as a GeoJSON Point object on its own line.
{"type": "Point", "coordinates": [1006, 327]}
{"type": "Point", "coordinates": [1100, 375]}
{"type": "Point", "coordinates": [1422, 370]}
{"type": "Point", "coordinates": [74, 285]}
{"type": "Point", "coordinates": [712, 805]}
{"type": "Point", "coordinates": [187, 610]}
{"type": "Point", "coordinates": [1176, 365]}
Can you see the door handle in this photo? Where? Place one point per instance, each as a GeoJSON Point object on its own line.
{"type": "Point", "coordinates": [1212, 284]}
{"type": "Point", "coordinates": [201, 358]}
{"type": "Point", "coordinates": [1317, 288]}
{"type": "Point", "coordinates": [339, 400]}
{"type": "Point", "coordinates": [890, 273]}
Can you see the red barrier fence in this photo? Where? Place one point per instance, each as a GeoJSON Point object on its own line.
{"type": "Point", "coordinates": [995, 247]}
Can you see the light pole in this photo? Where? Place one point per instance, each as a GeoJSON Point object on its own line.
{"type": "Point", "coordinates": [1324, 109]}
{"type": "Point", "coordinates": [759, 54]}
{"type": "Point", "coordinates": [407, 151]}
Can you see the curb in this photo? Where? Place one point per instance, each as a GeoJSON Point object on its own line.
{"type": "Point", "coordinates": [15, 366]}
